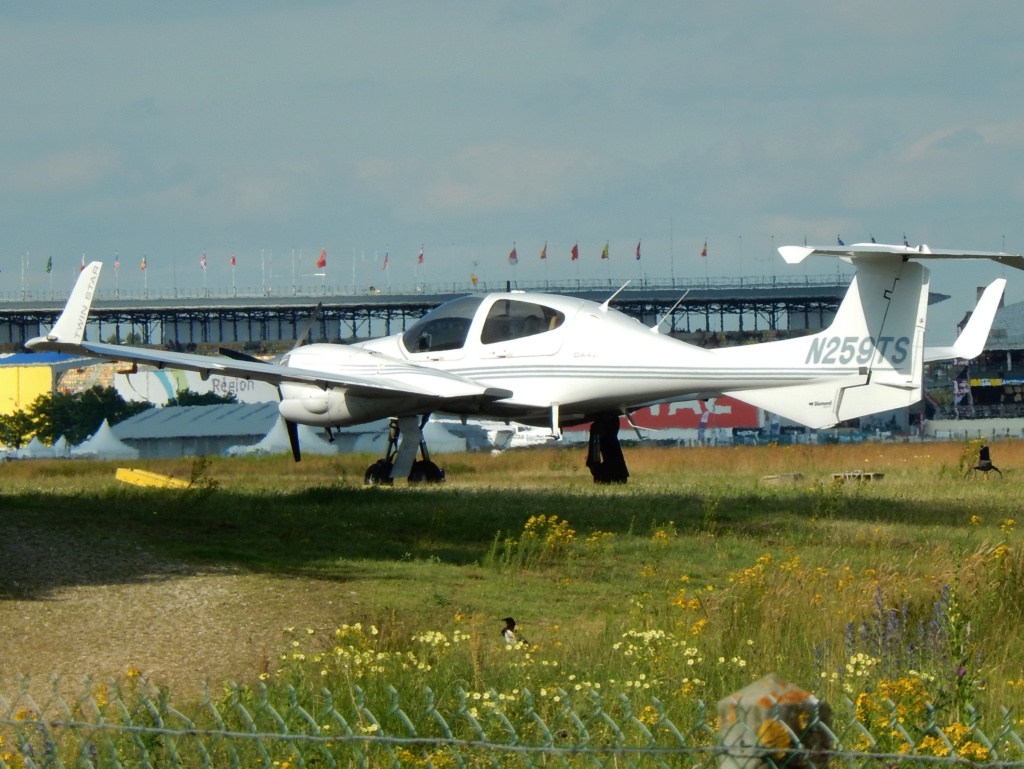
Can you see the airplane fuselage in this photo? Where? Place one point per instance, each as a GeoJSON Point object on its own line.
{"type": "Point", "coordinates": [579, 357]}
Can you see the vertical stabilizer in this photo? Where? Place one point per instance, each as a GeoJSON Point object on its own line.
{"type": "Point", "coordinates": [868, 360]}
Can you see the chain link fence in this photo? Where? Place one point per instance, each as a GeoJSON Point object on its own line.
{"type": "Point", "coordinates": [136, 725]}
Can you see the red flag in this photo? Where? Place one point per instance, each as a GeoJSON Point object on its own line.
{"type": "Point", "coordinates": [576, 252]}
{"type": "Point", "coordinates": [385, 260]}
{"type": "Point", "coordinates": [638, 250]}
{"type": "Point", "coordinates": [117, 261]}
{"type": "Point", "coordinates": [232, 258]}
{"type": "Point", "coordinates": [513, 257]}
{"type": "Point", "coordinates": [419, 259]}
{"type": "Point", "coordinates": [704, 251]}
{"type": "Point", "coordinates": [202, 260]}
{"type": "Point", "coordinates": [83, 263]}
{"type": "Point", "coordinates": [322, 261]}
{"type": "Point", "coordinates": [143, 265]}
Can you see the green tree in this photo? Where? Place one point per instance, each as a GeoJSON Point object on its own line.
{"type": "Point", "coordinates": [192, 398]}
{"type": "Point", "coordinates": [15, 429]}
{"type": "Point", "coordinates": [76, 416]}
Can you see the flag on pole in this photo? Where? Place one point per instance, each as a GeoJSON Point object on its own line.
{"type": "Point", "coordinates": [117, 261]}
{"type": "Point", "coordinates": [385, 261]}
{"type": "Point", "coordinates": [905, 241]}
{"type": "Point", "coordinates": [704, 251]}
{"type": "Point", "coordinates": [604, 253]}
{"type": "Point", "coordinates": [202, 260]}
{"type": "Point", "coordinates": [49, 264]}
{"type": "Point", "coordinates": [143, 265]}
{"type": "Point", "coordinates": [544, 251]}
{"type": "Point", "coordinates": [638, 250]}
{"type": "Point", "coordinates": [232, 258]}
{"type": "Point", "coordinates": [513, 257]}
{"type": "Point", "coordinates": [575, 252]}
{"type": "Point", "coordinates": [83, 262]}
{"type": "Point", "coordinates": [840, 240]}
{"type": "Point", "coordinates": [419, 259]}
{"type": "Point", "coordinates": [322, 261]}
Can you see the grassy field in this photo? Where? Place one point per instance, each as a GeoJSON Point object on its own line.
{"type": "Point", "coordinates": [699, 574]}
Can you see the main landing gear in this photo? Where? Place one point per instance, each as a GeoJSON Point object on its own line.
{"type": "Point", "coordinates": [405, 438]}
{"type": "Point", "coordinates": [604, 454]}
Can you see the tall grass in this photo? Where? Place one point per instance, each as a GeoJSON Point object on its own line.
{"type": "Point", "coordinates": [687, 584]}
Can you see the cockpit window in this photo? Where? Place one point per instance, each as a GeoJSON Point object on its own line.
{"type": "Point", "coordinates": [444, 327]}
{"type": "Point", "coordinates": [512, 319]}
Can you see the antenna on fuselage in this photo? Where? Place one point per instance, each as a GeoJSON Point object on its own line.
{"type": "Point", "coordinates": [656, 328]}
{"type": "Point", "coordinates": [604, 307]}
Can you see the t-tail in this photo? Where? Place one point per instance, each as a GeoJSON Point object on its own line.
{"type": "Point", "coordinates": [871, 358]}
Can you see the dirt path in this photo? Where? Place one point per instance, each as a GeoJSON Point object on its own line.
{"type": "Point", "coordinates": [96, 611]}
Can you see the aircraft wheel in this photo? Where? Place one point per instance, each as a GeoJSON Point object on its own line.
{"type": "Point", "coordinates": [425, 471]}
{"type": "Point", "coordinates": [379, 474]}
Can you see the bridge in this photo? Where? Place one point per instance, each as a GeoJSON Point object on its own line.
{"type": "Point", "coordinates": [189, 319]}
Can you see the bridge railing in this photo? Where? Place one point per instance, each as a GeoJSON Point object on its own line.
{"type": "Point", "coordinates": [13, 296]}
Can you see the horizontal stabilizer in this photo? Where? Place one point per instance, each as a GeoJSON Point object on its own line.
{"type": "Point", "coordinates": [971, 341]}
{"type": "Point", "coordinates": [865, 251]}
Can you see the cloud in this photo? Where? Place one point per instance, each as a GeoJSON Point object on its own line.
{"type": "Point", "coordinates": [481, 179]}
{"type": "Point", "coordinates": [63, 171]}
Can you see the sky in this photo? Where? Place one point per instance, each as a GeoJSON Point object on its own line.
{"type": "Point", "coordinates": [274, 130]}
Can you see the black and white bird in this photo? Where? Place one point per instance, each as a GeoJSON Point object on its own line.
{"type": "Point", "coordinates": [510, 634]}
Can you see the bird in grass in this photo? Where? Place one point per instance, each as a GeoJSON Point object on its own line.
{"type": "Point", "coordinates": [509, 632]}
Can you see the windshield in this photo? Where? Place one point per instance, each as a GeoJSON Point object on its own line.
{"type": "Point", "coordinates": [444, 327]}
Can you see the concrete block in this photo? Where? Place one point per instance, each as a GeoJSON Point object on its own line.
{"type": "Point", "coordinates": [773, 723]}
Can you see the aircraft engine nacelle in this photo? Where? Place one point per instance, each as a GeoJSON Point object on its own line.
{"type": "Point", "coordinates": [332, 408]}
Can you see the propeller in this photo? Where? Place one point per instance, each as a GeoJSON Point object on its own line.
{"type": "Point", "coordinates": [292, 427]}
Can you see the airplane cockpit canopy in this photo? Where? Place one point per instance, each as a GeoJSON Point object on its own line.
{"type": "Point", "coordinates": [447, 327]}
{"type": "Point", "coordinates": [513, 319]}
{"type": "Point", "coordinates": [444, 327]}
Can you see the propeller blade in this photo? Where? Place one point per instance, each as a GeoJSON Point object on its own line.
{"type": "Point", "coordinates": [227, 352]}
{"type": "Point", "coordinates": [293, 439]}
{"type": "Point", "coordinates": [301, 337]}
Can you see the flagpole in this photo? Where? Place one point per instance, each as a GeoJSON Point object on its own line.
{"type": "Point", "coordinates": [671, 251]}
{"type": "Point", "coordinates": [23, 259]}
{"type": "Point", "coordinates": [705, 256]}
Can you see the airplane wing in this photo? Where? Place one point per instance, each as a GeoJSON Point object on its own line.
{"type": "Point", "coordinates": [378, 374]}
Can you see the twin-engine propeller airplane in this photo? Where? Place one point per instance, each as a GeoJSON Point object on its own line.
{"type": "Point", "coordinates": [557, 361]}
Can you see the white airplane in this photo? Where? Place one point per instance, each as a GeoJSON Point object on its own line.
{"type": "Point", "coordinates": [556, 361]}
